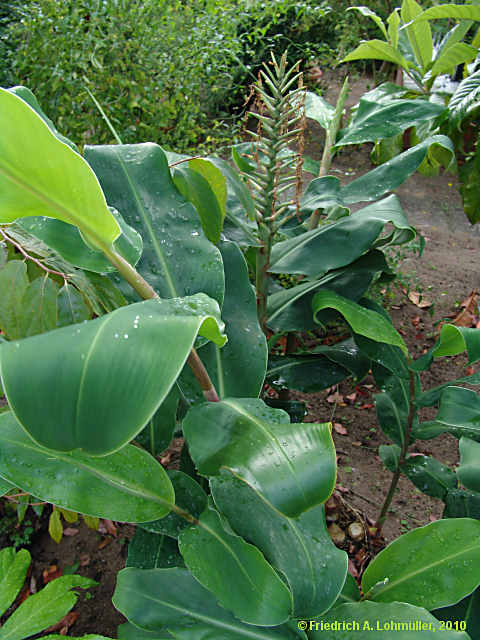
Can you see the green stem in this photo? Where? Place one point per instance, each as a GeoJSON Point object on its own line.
{"type": "Point", "coordinates": [401, 461]}
{"type": "Point", "coordinates": [144, 290]}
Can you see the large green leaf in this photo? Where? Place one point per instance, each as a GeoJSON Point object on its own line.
{"type": "Point", "coordinates": [433, 566]}
{"type": "Point", "coordinates": [363, 321]}
{"type": "Point", "coordinates": [431, 476]}
{"type": "Point", "coordinates": [299, 548]}
{"type": "Point", "coordinates": [391, 174]}
{"type": "Point", "coordinates": [468, 471]}
{"type": "Point", "coordinates": [71, 306]}
{"type": "Point", "coordinates": [129, 631]}
{"type": "Point", "coordinates": [172, 598]}
{"type": "Point", "coordinates": [377, 50]}
{"type": "Point", "coordinates": [419, 34]}
{"type": "Point", "coordinates": [235, 571]}
{"type": "Point", "coordinates": [44, 608]}
{"type": "Point", "coordinates": [373, 121]}
{"type": "Point", "coordinates": [459, 11]}
{"type": "Point", "coordinates": [177, 259]}
{"type": "Point", "coordinates": [203, 184]}
{"type": "Point", "coordinates": [39, 175]}
{"type": "Point", "coordinates": [158, 433]}
{"type": "Point", "coordinates": [392, 409]}
{"type": "Point", "coordinates": [13, 284]}
{"type": "Point", "coordinates": [374, 621]}
{"type": "Point", "coordinates": [246, 349]}
{"type": "Point", "coordinates": [97, 367]}
{"type": "Point", "coordinates": [467, 610]}
{"type": "Point", "coordinates": [148, 550]}
{"type": "Point", "coordinates": [458, 53]}
{"type": "Point", "coordinates": [321, 193]}
{"type": "Point", "coordinates": [265, 450]}
{"type": "Point", "coordinates": [129, 485]}
{"type": "Point", "coordinates": [291, 309]}
{"type": "Point", "coordinates": [340, 243]}
{"type": "Point", "coordinates": [431, 397]}
{"type": "Point", "coordinates": [458, 414]}
{"type": "Point", "coordinates": [39, 307]}
{"type": "Point", "coordinates": [13, 571]}
{"type": "Point", "coordinates": [239, 200]}
{"type": "Point", "coordinates": [318, 109]}
{"type": "Point", "coordinates": [462, 504]}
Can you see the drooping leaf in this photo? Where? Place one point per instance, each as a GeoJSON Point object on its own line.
{"type": "Point", "coordinates": [39, 307]}
{"type": "Point", "coordinates": [377, 50]}
{"type": "Point", "coordinates": [340, 243]}
{"type": "Point", "coordinates": [458, 53]}
{"type": "Point", "coordinates": [467, 610]}
{"type": "Point", "coordinates": [321, 193]}
{"type": "Point", "coordinates": [129, 485]}
{"type": "Point", "coordinates": [71, 307]}
{"type": "Point", "coordinates": [55, 528]}
{"type": "Point", "coordinates": [239, 200]}
{"type": "Point", "coordinates": [172, 598]}
{"type": "Point", "coordinates": [97, 367]}
{"type": "Point", "coordinates": [458, 414]}
{"type": "Point", "coordinates": [365, 11]}
{"type": "Point", "coordinates": [177, 259]}
{"type": "Point", "coordinates": [459, 11]}
{"type": "Point", "coordinates": [41, 176]}
{"type": "Point", "coordinates": [431, 397]}
{"type": "Point", "coordinates": [468, 471]}
{"type": "Point", "coordinates": [385, 120]}
{"type": "Point", "coordinates": [13, 571]}
{"type": "Point", "coordinates": [44, 608]}
{"type": "Point", "coordinates": [462, 504]}
{"type": "Point", "coordinates": [299, 548]}
{"type": "Point", "coordinates": [390, 175]}
{"type": "Point", "coordinates": [392, 407]}
{"type": "Point", "coordinates": [235, 571]}
{"type": "Point", "coordinates": [389, 454]}
{"type": "Point", "coordinates": [374, 621]}
{"type": "Point", "coordinates": [430, 476]}
{"type": "Point", "coordinates": [318, 109]}
{"type": "Point", "coordinates": [265, 450]}
{"type": "Point", "coordinates": [203, 184]}
{"type": "Point", "coordinates": [13, 284]}
{"type": "Point", "coordinates": [189, 496]}
{"type": "Point", "coordinates": [363, 321]}
{"type": "Point", "coordinates": [246, 349]}
{"type": "Point", "coordinates": [433, 566]}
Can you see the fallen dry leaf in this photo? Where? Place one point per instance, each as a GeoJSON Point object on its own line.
{"type": "Point", "coordinates": [111, 528]}
{"type": "Point", "coordinates": [335, 397]}
{"type": "Point", "coordinates": [418, 300]}
{"type": "Point", "coordinates": [339, 428]}
{"type": "Point", "coordinates": [51, 573]}
{"type": "Point", "coordinates": [416, 321]}
{"type": "Point", "coordinates": [105, 542]}
{"type": "Point", "coordinates": [70, 531]}
{"type": "Point", "coordinates": [84, 560]}
{"type": "Point", "coordinates": [367, 406]}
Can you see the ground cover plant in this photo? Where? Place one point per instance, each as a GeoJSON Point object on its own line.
{"type": "Point", "coordinates": [261, 478]}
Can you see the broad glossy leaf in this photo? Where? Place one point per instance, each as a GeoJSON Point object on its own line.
{"type": "Point", "coordinates": [385, 120]}
{"type": "Point", "coordinates": [148, 550]}
{"type": "Point", "coordinates": [419, 34]}
{"type": "Point", "coordinates": [173, 598]}
{"type": "Point", "coordinates": [203, 184]}
{"type": "Point", "coordinates": [393, 173]}
{"type": "Point", "coordinates": [433, 566]}
{"type": "Point", "coordinates": [389, 454]}
{"type": "Point", "coordinates": [39, 175]}
{"type": "Point", "coordinates": [323, 367]}
{"type": "Point", "coordinates": [392, 409]}
{"type": "Point", "coordinates": [39, 307]}
{"type": "Point", "coordinates": [363, 321]}
{"type": "Point", "coordinates": [459, 11]}
{"type": "Point", "coordinates": [246, 349]}
{"type": "Point", "coordinates": [462, 504]}
{"type": "Point", "coordinates": [129, 485]}
{"type": "Point", "coordinates": [393, 22]}
{"type": "Point", "coordinates": [467, 610]}
{"type": "Point", "coordinates": [432, 396]}
{"type": "Point", "coordinates": [13, 571]}
{"type": "Point", "coordinates": [44, 608]}
{"type": "Point", "coordinates": [189, 496]}
{"type": "Point", "coordinates": [97, 367]}
{"type": "Point", "coordinates": [377, 50]}
{"type": "Point", "coordinates": [299, 548]}
{"type": "Point", "coordinates": [265, 450]}
{"type": "Point", "coordinates": [430, 476]}
{"type": "Point", "coordinates": [13, 284]}
{"type": "Point", "coordinates": [469, 470]}
{"type": "Point", "coordinates": [458, 53]}
{"type": "Point", "coordinates": [340, 243]}
{"type": "Point", "coordinates": [458, 414]}
{"type": "Point", "coordinates": [239, 200]}
{"type": "Point", "coordinates": [5, 486]}
{"type": "Point", "coordinates": [68, 242]}
{"type": "Point", "coordinates": [321, 193]}
{"type": "Point", "coordinates": [177, 259]}
{"type": "Point", "coordinates": [235, 571]}
{"type": "Point", "coordinates": [129, 631]}
{"type": "Point", "coordinates": [318, 109]}
{"type": "Point", "coordinates": [291, 309]}
{"type": "Point", "coordinates": [374, 621]}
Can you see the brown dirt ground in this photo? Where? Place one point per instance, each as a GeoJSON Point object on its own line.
{"type": "Point", "coordinates": [445, 274]}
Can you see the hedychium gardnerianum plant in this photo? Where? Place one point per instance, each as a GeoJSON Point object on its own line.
{"type": "Point", "coordinates": [95, 385]}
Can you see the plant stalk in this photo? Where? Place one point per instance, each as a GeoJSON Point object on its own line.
{"type": "Point", "coordinates": [141, 286]}
{"type": "Point", "coordinates": [401, 461]}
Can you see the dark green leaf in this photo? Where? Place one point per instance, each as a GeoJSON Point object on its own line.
{"type": "Point", "coordinates": [158, 433]}
{"type": "Point", "coordinates": [467, 610]}
{"type": "Point", "coordinates": [462, 504]}
{"type": "Point", "coordinates": [468, 471]}
{"type": "Point", "coordinates": [13, 284]}
{"type": "Point", "coordinates": [148, 550]}
{"type": "Point", "coordinates": [458, 414]}
{"type": "Point", "coordinates": [390, 456]}
{"type": "Point", "coordinates": [71, 306]}
{"type": "Point", "coordinates": [430, 476]}
{"type": "Point", "coordinates": [39, 307]}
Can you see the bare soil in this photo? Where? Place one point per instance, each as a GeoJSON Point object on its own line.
{"type": "Point", "coordinates": [445, 275]}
